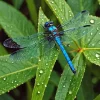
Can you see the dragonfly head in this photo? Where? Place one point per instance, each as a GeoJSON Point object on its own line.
{"type": "Point", "coordinates": [48, 24]}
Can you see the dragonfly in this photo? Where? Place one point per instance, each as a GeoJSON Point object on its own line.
{"type": "Point", "coordinates": [76, 28]}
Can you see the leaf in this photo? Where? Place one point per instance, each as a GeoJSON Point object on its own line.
{"type": "Point", "coordinates": [86, 89]}
{"type": "Point", "coordinates": [98, 97]}
{"type": "Point", "coordinates": [17, 3]}
{"type": "Point", "coordinates": [13, 22]}
{"type": "Point", "coordinates": [99, 2]}
{"type": "Point", "coordinates": [60, 9]}
{"type": "Point", "coordinates": [14, 74]}
{"type": "Point", "coordinates": [91, 41]}
{"type": "Point", "coordinates": [6, 97]}
{"type": "Point", "coordinates": [2, 50]}
{"type": "Point", "coordinates": [32, 9]}
{"type": "Point", "coordinates": [89, 5]}
{"type": "Point", "coordinates": [45, 67]}
{"type": "Point", "coordinates": [70, 83]}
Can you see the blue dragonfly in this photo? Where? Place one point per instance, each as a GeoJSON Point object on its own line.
{"type": "Point", "coordinates": [75, 29]}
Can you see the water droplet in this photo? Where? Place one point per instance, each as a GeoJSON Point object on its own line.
{"type": "Point", "coordinates": [55, 55]}
{"type": "Point", "coordinates": [41, 71]}
{"type": "Point", "coordinates": [91, 33]}
{"type": "Point", "coordinates": [97, 55]}
{"type": "Point", "coordinates": [88, 40]}
{"type": "Point", "coordinates": [17, 84]}
{"type": "Point", "coordinates": [91, 21]}
{"type": "Point", "coordinates": [97, 28]}
{"type": "Point", "coordinates": [46, 64]}
{"type": "Point", "coordinates": [12, 82]}
{"type": "Point", "coordinates": [70, 15]}
{"type": "Point", "coordinates": [38, 92]}
{"type": "Point", "coordinates": [63, 85]}
{"type": "Point", "coordinates": [49, 77]}
{"type": "Point", "coordinates": [2, 92]}
{"type": "Point", "coordinates": [52, 2]}
{"type": "Point", "coordinates": [45, 85]}
{"type": "Point", "coordinates": [15, 81]}
{"type": "Point", "coordinates": [50, 70]}
{"type": "Point", "coordinates": [39, 75]}
{"type": "Point", "coordinates": [39, 59]}
{"type": "Point", "coordinates": [4, 78]}
{"type": "Point", "coordinates": [38, 84]}
{"type": "Point", "coordinates": [92, 44]}
{"type": "Point", "coordinates": [42, 83]}
{"type": "Point", "coordinates": [55, 9]}
{"type": "Point", "coordinates": [70, 92]}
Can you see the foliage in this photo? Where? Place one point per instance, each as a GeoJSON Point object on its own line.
{"type": "Point", "coordinates": [69, 86]}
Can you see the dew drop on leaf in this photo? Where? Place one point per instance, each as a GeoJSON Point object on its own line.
{"type": "Point", "coordinates": [41, 71]}
{"type": "Point", "coordinates": [52, 2]}
{"type": "Point", "coordinates": [91, 33]}
{"type": "Point", "coordinates": [38, 92]}
{"type": "Point", "coordinates": [63, 85]}
{"type": "Point", "coordinates": [97, 28]}
{"type": "Point", "coordinates": [97, 55]}
{"type": "Point", "coordinates": [4, 78]}
{"type": "Point", "coordinates": [12, 62]}
{"type": "Point", "coordinates": [15, 81]}
{"type": "Point", "coordinates": [46, 64]}
{"type": "Point", "coordinates": [70, 92]}
{"type": "Point", "coordinates": [17, 84]}
{"type": "Point", "coordinates": [38, 84]}
{"type": "Point", "coordinates": [55, 9]}
{"type": "Point", "coordinates": [39, 59]}
{"type": "Point", "coordinates": [42, 83]}
{"type": "Point", "coordinates": [92, 21]}
{"type": "Point", "coordinates": [45, 85]}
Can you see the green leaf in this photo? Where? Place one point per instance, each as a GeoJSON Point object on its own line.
{"type": "Point", "coordinates": [99, 2]}
{"type": "Point", "coordinates": [70, 83]}
{"type": "Point", "coordinates": [49, 91]}
{"type": "Point", "coordinates": [32, 9]}
{"type": "Point", "coordinates": [13, 22]}
{"type": "Point", "coordinates": [6, 97]}
{"type": "Point", "coordinates": [90, 5]}
{"type": "Point", "coordinates": [91, 41]}
{"type": "Point", "coordinates": [17, 3]}
{"type": "Point", "coordinates": [98, 97]}
{"type": "Point", "coordinates": [2, 50]}
{"type": "Point", "coordinates": [60, 9]}
{"type": "Point", "coordinates": [14, 74]}
{"type": "Point", "coordinates": [45, 67]}
{"type": "Point", "coordinates": [86, 89]}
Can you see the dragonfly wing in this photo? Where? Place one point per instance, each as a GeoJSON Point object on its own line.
{"type": "Point", "coordinates": [47, 47]}
{"type": "Point", "coordinates": [77, 21]}
{"type": "Point", "coordinates": [21, 42]}
{"type": "Point", "coordinates": [32, 50]}
{"type": "Point", "coordinates": [74, 35]}
{"type": "Point", "coordinates": [25, 53]}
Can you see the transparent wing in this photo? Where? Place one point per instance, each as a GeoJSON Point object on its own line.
{"type": "Point", "coordinates": [74, 34]}
{"type": "Point", "coordinates": [31, 49]}
{"type": "Point", "coordinates": [79, 20]}
{"type": "Point", "coordinates": [25, 53]}
{"type": "Point", "coordinates": [21, 42]}
{"type": "Point", "coordinates": [76, 28]}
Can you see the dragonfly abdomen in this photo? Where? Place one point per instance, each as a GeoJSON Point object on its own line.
{"type": "Point", "coordinates": [57, 39]}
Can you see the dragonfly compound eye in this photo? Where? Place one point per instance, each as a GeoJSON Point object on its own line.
{"type": "Point", "coordinates": [47, 24]}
